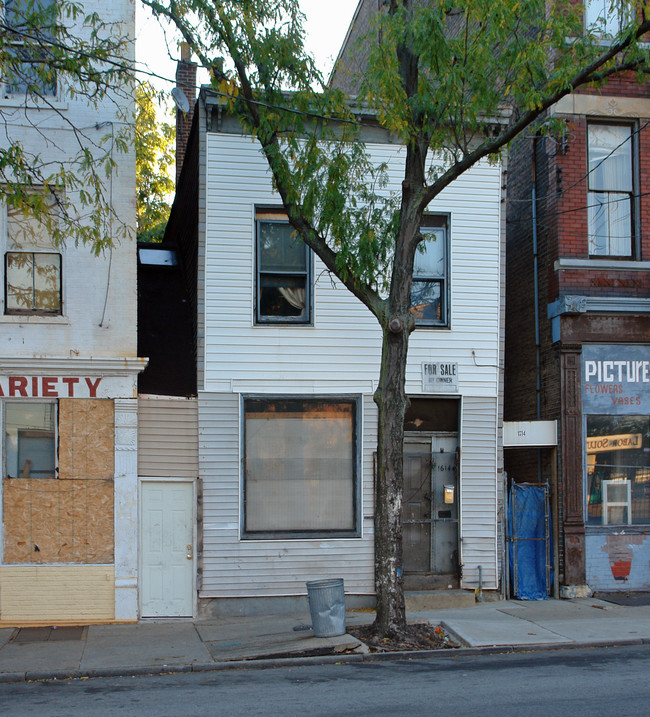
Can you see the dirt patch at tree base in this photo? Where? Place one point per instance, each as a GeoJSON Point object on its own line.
{"type": "Point", "coordinates": [419, 636]}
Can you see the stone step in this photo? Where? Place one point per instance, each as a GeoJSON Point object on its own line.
{"type": "Point", "coordinates": [417, 600]}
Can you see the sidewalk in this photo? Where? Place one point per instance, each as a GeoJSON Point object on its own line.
{"type": "Point", "coordinates": [184, 646]}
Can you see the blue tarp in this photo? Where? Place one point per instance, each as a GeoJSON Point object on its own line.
{"type": "Point", "coordinates": [529, 541]}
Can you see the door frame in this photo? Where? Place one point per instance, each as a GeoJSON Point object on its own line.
{"type": "Point", "coordinates": [427, 437]}
{"type": "Point", "coordinates": [162, 479]}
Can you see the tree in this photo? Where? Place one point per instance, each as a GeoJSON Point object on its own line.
{"type": "Point", "coordinates": [456, 82]}
{"type": "Point", "coordinates": [54, 52]}
{"type": "Point", "coordinates": [154, 155]}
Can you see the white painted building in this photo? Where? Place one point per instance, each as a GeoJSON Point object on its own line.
{"type": "Point", "coordinates": [68, 381]}
{"type": "Point", "coordinates": [288, 362]}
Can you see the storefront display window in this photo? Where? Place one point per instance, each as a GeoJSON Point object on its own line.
{"type": "Point", "coordinates": [618, 470]}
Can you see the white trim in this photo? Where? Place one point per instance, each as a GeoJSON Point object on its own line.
{"type": "Point", "coordinates": [66, 365]}
{"type": "Point", "coordinates": [601, 264]}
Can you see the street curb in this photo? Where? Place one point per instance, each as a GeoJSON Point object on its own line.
{"type": "Point", "coordinates": [269, 663]}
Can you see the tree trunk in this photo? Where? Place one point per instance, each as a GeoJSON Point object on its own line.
{"type": "Point", "coordinates": [391, 401]}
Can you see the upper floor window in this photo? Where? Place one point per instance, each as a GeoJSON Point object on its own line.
{"type": "Point", "coordinates": [32, 26]}
{"type": "Point", "coordinates": [610, 197]}
{"type": "Point", "coordinates": [32, 266]}
{"type": "Point", "coordinates": [429, 288]}
{"type": "Point", "coordinates": [607, 17]}
{"type": "Point", "coordinates": [283, 290]}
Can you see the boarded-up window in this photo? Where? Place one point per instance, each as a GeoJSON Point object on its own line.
{"type": "Point", "coordinates": [300, 466]}
{"type": "Point", "coordinates": [86, 438]}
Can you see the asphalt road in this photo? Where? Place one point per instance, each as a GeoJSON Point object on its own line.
{"type": "Point", "coordinates": [592, 682]}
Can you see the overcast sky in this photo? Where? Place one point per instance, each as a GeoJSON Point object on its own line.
{"type": "Point", "coordinates": [327, 23]}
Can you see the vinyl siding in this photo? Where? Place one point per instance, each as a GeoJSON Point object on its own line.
{"type": "Point", "coordinates": [239, 568]}
{"type": "Point", "coordinates": [339, 354]}
{"type": "Point", "coordinates": [168, 438]}
{"type": "Point", "coordinates": [479, 492]}
{"type": "Point", "coordinates": [242, 357]}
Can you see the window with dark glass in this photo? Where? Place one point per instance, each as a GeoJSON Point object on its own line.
{"type": "Point", "coordinates": [611, 189]}
{"type": "Point", "coordinates": [300, 467]}
{"type": "Point", "coordinates": [429, 288]}
{"type": "Point", "coordinates": [283, 274]}
{"type": "Point", "coordinates": [618, 470]}
{"type": "Point", "coordinates": [29, 439]}
{"type": "Point", "coordinates": [32, 26]}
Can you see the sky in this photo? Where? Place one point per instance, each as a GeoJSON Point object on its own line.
{"type": "Point", "coordinates": [326, 26]}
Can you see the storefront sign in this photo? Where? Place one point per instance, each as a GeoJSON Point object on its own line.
{"type": "Point", "coordinates": [616, 379]}
{"type": "Point", "coordinates": [529, 433]}
{"type": "Point", "coordinates": [439, 377]}
{"type": "Point", "coordinates": [51, 387]}
{"type": "Point", "coordinates": [621, 442]}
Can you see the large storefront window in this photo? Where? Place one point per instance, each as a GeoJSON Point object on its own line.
{"type": "Point", "coordinates": [618, 470]}
{"type": "Point", "coordinates": [300, 471]}
{"type": "Point", "coordinates": [616, 408]}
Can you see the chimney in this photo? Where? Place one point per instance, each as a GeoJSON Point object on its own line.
{"type": "Point", "coordinates": [186, 82]}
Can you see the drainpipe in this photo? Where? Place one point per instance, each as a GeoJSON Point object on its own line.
{"type": "Point", "coordinates": [538, 373]}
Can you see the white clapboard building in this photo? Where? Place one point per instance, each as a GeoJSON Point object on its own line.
{"type": "Point", "coordinates": [287, 363]}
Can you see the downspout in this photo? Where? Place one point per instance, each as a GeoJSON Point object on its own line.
{"type": "Point", "coordinates": [538, 374]}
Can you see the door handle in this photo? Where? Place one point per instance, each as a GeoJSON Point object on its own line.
{"type": "Point", "coordinates": [189, 552]}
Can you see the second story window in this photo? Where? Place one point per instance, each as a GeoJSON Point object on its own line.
{"type": "Point", "coordinates": [32, 26]}
{"type": "Point", "coordinates": [610, 197]}
{"type": "Point", "coordinates": [607, 17]}
{"type": "Point", "coordinates": [32, 267]}
{"type": "Point", "coordinates": [429, 289]}
{"type": "Point", "coordinates": [283, 291]}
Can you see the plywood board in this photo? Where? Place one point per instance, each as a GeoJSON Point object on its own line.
{"type": "Point", "coordinates": [58, 521]}
{"type": "Point", "coordinates": [86, 438]}
{"type": "Point", "coordinates": [52, 593]}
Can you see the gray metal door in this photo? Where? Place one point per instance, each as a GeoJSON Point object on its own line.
{"type": "Point", "coordinates": [430, 512]}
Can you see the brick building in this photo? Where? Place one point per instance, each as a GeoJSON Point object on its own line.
{"type": "Point", "coordinates": [578, 325]}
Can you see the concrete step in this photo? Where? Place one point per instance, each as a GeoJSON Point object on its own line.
{"type": "Point", "coordinates": [438, 599]}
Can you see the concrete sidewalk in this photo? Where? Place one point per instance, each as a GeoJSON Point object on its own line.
{"type": "Point", "coordinates": [183, 646]}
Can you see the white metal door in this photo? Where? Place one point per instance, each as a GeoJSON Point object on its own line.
{"type": "Point", "coordinates": [167, 549]}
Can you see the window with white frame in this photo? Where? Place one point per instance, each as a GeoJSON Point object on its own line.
{"type": "Point", "coordinates": [607, 17]}
{"type": "Point", "coordinates": [611, 190]}
{"type": "Point", "coordinates": [32, 264]}
{"type": "Point", "coordinates": [300, 467]}
{"type": "Point", "coordinates": [29, 439]}
{"type": "Point", "coordinates": [31, 27]}
{"type": "Point", "coordinates": [283, 287]}
{"type": "Point", "coordinates": [429, 288]}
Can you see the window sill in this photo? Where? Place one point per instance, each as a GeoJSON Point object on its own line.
{"type": "Point", "coordinates": [35, 319]}
{"type": "Point", "coordinates": [33, 103]}
{"type": "Point", "coordinates": [639, 528]}
{"type": "Point", "coordinates": [284, 537]}
{"type": "Point", "coordinates": [606, 263]}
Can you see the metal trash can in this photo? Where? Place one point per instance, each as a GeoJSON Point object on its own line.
{"type": "Point", "coordinates": [327, 607]}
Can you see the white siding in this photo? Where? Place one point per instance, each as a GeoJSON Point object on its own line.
{"type": "Point", "coordinates": [339, 354]}
{"type": "Point", "coordinates": [242, 357]}
{"type": "Point", "coordinates": [478, 489]}
{"type": "Point", "coordinates": [168, 438]}
{"type": "Point", "coordinates": [240, 568]}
